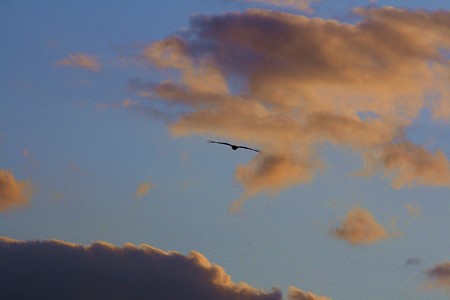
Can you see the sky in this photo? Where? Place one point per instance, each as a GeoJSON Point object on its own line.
{"type": "Point", "coordinates": [109, 188]}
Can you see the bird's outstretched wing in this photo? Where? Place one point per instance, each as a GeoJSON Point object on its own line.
{"type": "Point", "coordinates": [248, 148]}
{"type": "Point", "coordinates": [234, 147]}
{"type": "Point", "coordinates": [214, 142]}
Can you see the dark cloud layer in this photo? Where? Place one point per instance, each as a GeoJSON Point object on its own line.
{"type": "Point", "coordinates": [58, 270]}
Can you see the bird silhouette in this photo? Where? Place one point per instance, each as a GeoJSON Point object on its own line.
{"type": "Point", "coordinates": [234, 147]}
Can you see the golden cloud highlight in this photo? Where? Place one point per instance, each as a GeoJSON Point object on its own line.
{"type": "Point", "coordinates": [80, 60]}
{"type": "Point", "coordinates": [288, 84]}
{"type": "Point", "coordinates": [13, 192]}
{"type": "Point", "coordinates": [298, 294]}
{"type": "Point", "coordinates": [360, 227]}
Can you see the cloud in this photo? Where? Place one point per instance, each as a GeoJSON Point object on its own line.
{"type": "Point", "coordinates": [288, 84]}
{"type": "Point", "coordinates": [439, 276]}
{"type": "Point", "coordinates": [360, 227]}
{"type": "Point", "coordinates": [297, 294]}
{"type": "Point", "coordinates": [301, 5]}
{"type": "Point", "coordinates": [413, 164]}
{"type": "Point", "coordinates": [60, 270]}
{"type": "Point", "coordinates": [13, 192]}
{"type": "Point", "coordinates": [270, 173]}
{"type": "Point", "coordinates": [143, 189]}
{"type": "Point", "coordinates": [80, 60]}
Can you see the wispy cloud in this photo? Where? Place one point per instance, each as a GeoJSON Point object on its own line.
{"type": "Point", "coordinates": [126, 103]}
{"type": "Point", "coordinates": [301, 5]}
{"type": "Point", "coordinates": [60, 270]}
{"type": "Point", "coordinates": [360, 227]}
{"type": "Point", "coordinates": [13, 192]}
{"type": "Point", "coordinates": [288, 84]}
{"type": "Point", "coordinates": [80, 60]}
{"type": "Point", "coordinates": [297, 294]}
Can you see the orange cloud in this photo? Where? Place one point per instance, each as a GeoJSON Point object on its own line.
{"type": "Point", "coordinates": [60, 270]}
{"type": "Point", "coordinates": [360, 227]}
{"type": "Point", "coordinates": [80, 60]}
{"type": "Point", "coordinates": [13, 192]}
{"type": "Point", "coordinates": [301, 5]}
{"type": "Point", "coordinates": [297, 294]}
{"type": "Point", "coordinates": [143, 189]}
{"type": "Point", "coordinates": [409, 164]}
{"type": "Point", "coordinates": [288, 84]}
{"type": "Point", "coordinates": [270, 173]}
{"type": "Point", "coordinates": [126, 103]}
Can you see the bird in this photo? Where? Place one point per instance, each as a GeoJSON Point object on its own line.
{"type": "Point", "coordinates": [234, 147]}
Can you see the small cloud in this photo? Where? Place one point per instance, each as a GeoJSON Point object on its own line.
{"type": "Point", "coordinates": [298, 294]}
{"type": "Point", "coordinates": [300, 5]}
{"type": "Point", "coordinates": [439, 276]}
{"type": "Point", "coordinates": [360, 227]}
{"type": "Point", "coordinates": [13, 192]}
{"type": "Point", "coordinates": [80, 60]}
{"type": "Point", "coordinates": [270, 173]}
{"type": "Point", "coordinates": [128, 103]}
{"type": "Point", "coordinates": [143, 189]}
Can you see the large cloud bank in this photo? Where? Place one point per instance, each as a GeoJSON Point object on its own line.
{"type": "Point", "coordinates": [59, 270]}
{"type": "Point", "coordinates": [288, 84]}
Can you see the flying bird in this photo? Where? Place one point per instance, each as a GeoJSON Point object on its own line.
{"type": "Point", "coordinates": [235, 147]}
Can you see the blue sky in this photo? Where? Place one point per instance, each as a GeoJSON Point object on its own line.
{"type": "Point", "coordinates": [84, 139]}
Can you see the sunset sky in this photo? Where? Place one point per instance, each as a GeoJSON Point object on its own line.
{"type": "Point", "coordinates": [109, 188]}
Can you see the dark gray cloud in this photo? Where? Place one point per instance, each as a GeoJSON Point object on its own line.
{"type": "Point", "coordinates": [59, 270]}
